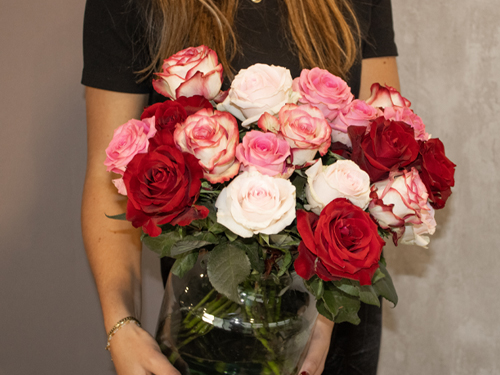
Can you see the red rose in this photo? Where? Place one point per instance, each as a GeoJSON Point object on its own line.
{"type": "Point", "coordinates": [172, 112]}
{"type": "Point", "coordinates": [162, 187]}
{"type": "Point", "coordinates": [437, 172]}
{"type": "Point", "coordinates": [387, 146]}
{"type": "Point", "coordinates": [343, 242]}
{"type": "Point", "coordinates": [194, 103]}
{"type": "Point", "coordinates": [167, 114]}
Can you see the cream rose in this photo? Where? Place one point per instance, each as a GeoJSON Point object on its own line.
{"type": "Point", "coordinates": [343, 179]}
{"type": "Point", "coordinates": [254, 203]}
{"type": "Point", "coordinates": [258, 89]}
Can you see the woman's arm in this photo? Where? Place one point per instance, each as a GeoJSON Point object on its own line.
{"type": "Point", "coordinates": [383, 70]}
{"type": "Point", "coordinates": [113, 247]}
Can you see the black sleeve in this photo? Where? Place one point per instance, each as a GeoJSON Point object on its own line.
{"type": "Point", "coordinates": [112, 51]}
{"type": "Point", "coordinates": [378, 40]}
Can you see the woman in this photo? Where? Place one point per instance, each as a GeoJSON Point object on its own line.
{"type": "Point", "coordinates": [123, 37]}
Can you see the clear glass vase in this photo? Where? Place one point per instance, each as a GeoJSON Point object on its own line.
{"type": "Point", "coordinates": [204, 333]}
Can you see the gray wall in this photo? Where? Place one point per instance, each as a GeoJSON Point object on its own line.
{"type": "Point", "coordinates": [447, 319]}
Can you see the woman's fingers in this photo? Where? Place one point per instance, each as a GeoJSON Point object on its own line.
{"type": "Point", "coordinates": [314, 362]}
{"type": "Point", "coordinates": [159, 365]}
{"type": "Point", "coordinates": [135, 352]}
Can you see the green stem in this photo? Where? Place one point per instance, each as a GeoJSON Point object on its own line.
{"type": "Point", "coordinates": [201, 303]}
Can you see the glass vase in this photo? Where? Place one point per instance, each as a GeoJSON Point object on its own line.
{"type": "Point", "coordinates": [265, 332]}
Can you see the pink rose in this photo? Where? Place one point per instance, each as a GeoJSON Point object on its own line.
{"type": "Point", "coordinates": [255, 203]}
{"type": "Point", "coordinates": [401, 204]}
{"type": "Point", "coordinates": [356, 113]}
{"type": "Point", "coordinates": [192, 71]}
{"type": "Point", "coordinates": [342, 179]}
{"type": "Point", "coordinates": [304, 128]}
{"type": "Point", "coordinates": [266, 153]}
{"type": "Point", "coordinates": [129, 139]}
{"type": "Point", "coordinates": [387, 96]}
{"type": "Point", "coordinates": [405, 114]}
{"type": "Point", "coordinates": [258, 89]}
{"type": "Point", "coordinates": [212, 137]}
{"type": "Point", "coordinates": [324, 90]}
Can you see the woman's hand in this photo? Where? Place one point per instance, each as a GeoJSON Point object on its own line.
{"type": "Point", "coordinates": [135, 352]}
{"type": "Point", "coordinates": [314, 362]}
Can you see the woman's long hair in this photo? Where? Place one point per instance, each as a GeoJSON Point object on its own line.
{"type": "Point", "coordinates": [325, 32]}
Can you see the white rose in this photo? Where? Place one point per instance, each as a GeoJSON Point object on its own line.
{"type": "Point", "coordinates": [258, 89]}
{"type": "Point", "coordinates": [343, 179]}
{"type": "Point", "coordinates": [254, 203]}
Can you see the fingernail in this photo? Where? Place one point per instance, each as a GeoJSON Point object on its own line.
{"type": "Point", "coordinates": [304, 373]}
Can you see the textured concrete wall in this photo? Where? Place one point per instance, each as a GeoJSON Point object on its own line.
{"type": "Point", "coordinates": [50, 319]}
{"type": "Point", "coordinates": [447, 321]}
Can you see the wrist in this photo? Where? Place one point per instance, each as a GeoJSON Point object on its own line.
{"type": "Point", "coordinates": [118, 325]}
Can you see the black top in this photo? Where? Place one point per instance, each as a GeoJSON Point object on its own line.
{"type": "Point", "coordinates": [113, 52]}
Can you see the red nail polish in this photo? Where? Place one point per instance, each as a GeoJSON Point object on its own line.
{"type": "Point", "coordinates": [304, 373]}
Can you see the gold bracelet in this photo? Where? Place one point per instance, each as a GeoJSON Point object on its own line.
{"type": "Point", "coordinates": [119, 325]}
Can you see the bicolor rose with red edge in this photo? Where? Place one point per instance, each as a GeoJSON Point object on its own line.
{"type": "Point", "coordinates": [437, 172]}
{"type": "Point", "coordinates": [163, 186]}
{"type": "Point", "coordinates": [383, 147]}
{"type": "Point", "coordinates": [324, 90]}
{"type": "Point", "coordinates": [265, 152]}
{"type": "Point", "coordinates": [343, 242]}
{"type": "Point", "coordinates": [343, 179]}
{"type": "Point", "coordinates": [255, 203]}
{"type": "Point", "coordinates": [357, 113]}
{"type": "Point", "coordinates": [304, 128]}
{"type": "Point", "coordinates": [406, 115]}
{"type": "Point", "coordinates": [382, 97]}
{"type": "Point", "coordinates": [258, 89]}
{"type": "Point", "coordinates": [211, 136]}
{"type": "Point", "coordinates": [129, 139]}
{"type": "Point", "coordinates": [192, 71]}
{"type": "Point", "coordinates": [401, 203]}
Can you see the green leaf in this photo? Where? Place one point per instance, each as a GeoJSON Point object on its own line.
{"type": "Point", "coordinates": [230, 235]}
{"type": "Point", "coordinates": [216, 228]}
{"type": "Point", "coordinates": [335, 156]}
{"type": "Point", "coordinates": [320, 306]}
{"type": "Point", "coordinates": [228, 266]}
{"type": "Point", "coordinates": [300, 183]}
{"type": "Point", "coordinates": [343, 306]}
{"type": "Point", "coordinates": [163, 243]}
{"type": "Point", "coordinates": [184, 264]}
{"type": "Point", "coordinates": [117, 217]}
{"type": "Point", "coordinates": [193, 242]}
{"type": "Point", "coordinates": [287, 260]}
{"type": "Point", "coordinates": [315, 286]}
{"type": "Point", "coordinates": [348, 286]}
{"type": "Point", "coordinates": [377, 276]}
{"type": "Point", "coordinates": [368, 295]}
{"type": "Point", "coordinates": [284, 240]}
{"type": "Point", "coordinates": [385, 287]}
{"type": "Point", "coordinates": [252, 249]}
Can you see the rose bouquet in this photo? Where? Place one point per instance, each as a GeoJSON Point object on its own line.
{"type": "Point", "coordinates": [272, 178]}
